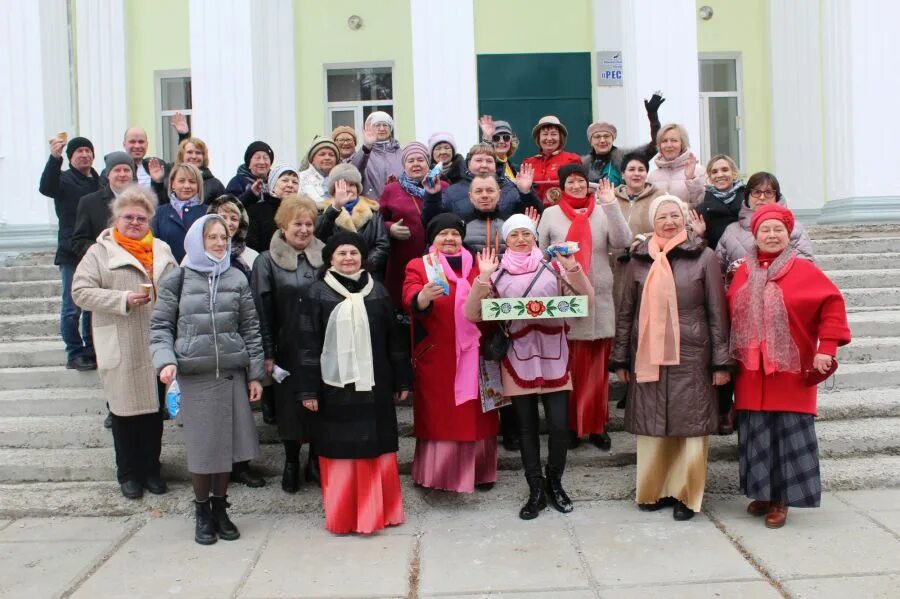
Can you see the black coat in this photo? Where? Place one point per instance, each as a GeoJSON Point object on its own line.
{"type": "Point", "coordinates": [719, 215]}
{"type": "Point", "coordinates": [349, 423]}
{"type": "Point", "coordinates": [262, 222]}
{"type": "Point", "coordinates": [91, 219]}
{"type": "Point", "coordinates": [66, 188]}
{"type": "Point", "coordinates": [373, 232]}
{"type": "Point", "coordinates": [212, 187]}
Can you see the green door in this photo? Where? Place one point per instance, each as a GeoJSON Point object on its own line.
{"type": "Point", "coordinates": [521, 88]}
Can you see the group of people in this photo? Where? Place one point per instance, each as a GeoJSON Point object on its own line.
{"type": "Point", "coordinates": [314, 289]}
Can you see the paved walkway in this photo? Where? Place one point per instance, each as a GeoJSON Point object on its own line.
{"type": "Point", "coordinates": [453, 548]}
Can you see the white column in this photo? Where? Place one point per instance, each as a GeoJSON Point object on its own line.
{"type": "Point", "coordinates": [607, 17]}
{"type": "Point", "coordinates": [35, 105]}
{"type": "Point", "coordinates": [444, 70]}
{"type": "Point", "coordinates": [102, 86]}
{"type": "Point", "coordinates": [242, 79]}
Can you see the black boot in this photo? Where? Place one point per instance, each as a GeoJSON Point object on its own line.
{"type": "Point", "coordinates": [290, 478]}
{"type": "Point", "coordinates": [241, 473]}
{"type": "Point", "coordinates": [536, 500]}
{"type": "Point", "coordinates": [557, 495]}
{"type": "Point", "coordinates": [225, 528]}
{"type": "Point", "coordinates": [574, 440]}
{"type": "Point", "coordinates": [311, 470]}
{"type": "Point", "coordinates": [682, 512]}
{"type": "Point", "coordinates": [205, 530]}
{"type": "Point", "coordinates": [601, 441]}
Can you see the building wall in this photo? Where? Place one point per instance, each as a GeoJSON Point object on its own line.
{"type": "Point", "coordinates": [743, 27]}
{"type": "Point", "coordinates": [516, 27]}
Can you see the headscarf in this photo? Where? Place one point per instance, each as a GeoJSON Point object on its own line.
{"type": "Point", "coordinates": [198, 259]}
{"type": "Point", "coordinates": [517, 221]}
{"type": "Point", "coordinates": [142, 249]}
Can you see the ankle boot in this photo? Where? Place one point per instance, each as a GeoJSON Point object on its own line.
{"type": "Point", "coordinates": [536, 500]}
{"type": "Point", "coordinates": [225, 528]}
{"type": "Point", "coordinates": [205, 530]}
{"type": "Point", "coordinates": [311, 470]}
{"type": "Point", "coordinates": [290, 478]}
{"type": "Point", "coordinates": [557, 495]}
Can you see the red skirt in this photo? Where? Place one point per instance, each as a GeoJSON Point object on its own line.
{"type": "Point", "coordinates": [589, 399]}
{"type": "Point", "coordinates": [361, 495]}
{"type": "Point", "coordinates": [455, 465]}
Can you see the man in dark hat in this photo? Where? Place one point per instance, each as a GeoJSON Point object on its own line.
{"type": "Point", "coordinates": [93, 213]}
{"type": "Point", "coordinates": [249, 183]}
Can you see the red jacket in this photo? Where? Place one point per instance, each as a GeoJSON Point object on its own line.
{"type": "Point", "coordinates": [545, 168]}
{"type": "Point", "coordinates": [818, 322]}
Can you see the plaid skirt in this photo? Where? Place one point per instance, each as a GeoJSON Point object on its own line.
{"type": "Point", "coordinates": [779, 457]}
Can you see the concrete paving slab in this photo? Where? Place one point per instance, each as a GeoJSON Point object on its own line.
{"type": "Point", "coordinates": [890, 519]}
{"type": "Point", "coordinates": [735, 506]}
{"type": "Point", "coordinates": [624, 546]}
{"type": "Point", "coordinates": [872, 499]}
{"type": "Point", "coordinates": [843, 543]}
{"type": "Point", "coordinates": [493, 551]}
{"type": "Point", "coordinates": [302, 559]}
{"type": "Point", "coordinates": [64, 529]}
{"type": "Point", "coordinates": [162, 559]}
{"type": "Point", "coordinates": [744, 590]}
{"type": "Point", "coordinates": [4, 523]}
{"type": "Point", "coordinates": [871, 587]}
{"type": "Point", "coordinates": [555, 594]}
{"type": "Point", "coordinates": [44, 569]}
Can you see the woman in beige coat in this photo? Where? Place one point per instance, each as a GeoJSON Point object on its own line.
{"type": "Point", "coordinates": [116, 280]}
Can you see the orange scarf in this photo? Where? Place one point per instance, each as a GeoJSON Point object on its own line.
{"type": "Point", "coordinates": [659, 334]}
{"type": "Point", "coordinates": [140, 249]}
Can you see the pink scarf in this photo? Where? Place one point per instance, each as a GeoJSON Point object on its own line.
{"type": "Point", "coordinates": [517, 263]}
{"type": "Point", "coordinates": [465, 384]}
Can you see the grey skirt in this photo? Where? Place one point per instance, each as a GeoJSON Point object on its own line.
{"type": "Point", "coordinates": [218, 425]}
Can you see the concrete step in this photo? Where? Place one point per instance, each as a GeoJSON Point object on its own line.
{"type": "Point", "coordinates": [30, 289]}
{"type": "Point", "coordinates": [865, 376]}
{"type": "Point", "coordinates": [865, 245]}
{"type": "Point", "coordinates": [29, 305]}
{"type": "Point", "coordinates": [32, 272]}
{"type": "Point", "coordinates": [36, 258]}
{"type": "Point", "coordinates": [28, 325]}
{"type": "Point", "coordinates": [859, 261]}
{"type": "Point", "coordinates": [872, 297]}
{"type": "Point", "coordinates": [53, 401]}
{"type": "Point", "coordinates": [854, 279]}
{"type": "Point", "coordinates": [875, 323]}
{"type": "Point", "coordinates": [17, 354]}
{"type": "Point", "coordinates": [870, 349]}
{"type": "Point", "coordinates": [41, 377]}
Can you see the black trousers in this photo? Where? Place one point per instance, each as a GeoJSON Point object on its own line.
{"type": "Point", "coordinates": [138, 442]}
{"type": "Point", "coordinates": [726, 397]}
{"type": "Point", "coordinates": [509, 422]}
{"type": "Point", "coordinates": [556, 411]}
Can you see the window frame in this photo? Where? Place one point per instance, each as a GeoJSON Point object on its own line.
{"type": "Point", "coordinates": [356, 105]}
{"type": "Point", "coordinates": [158, 77]}
{"type": "Point", "coordinates": [705, 141]}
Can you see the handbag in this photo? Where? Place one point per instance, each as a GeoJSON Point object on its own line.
{"type": "Point", "coordinates": [812, 377]}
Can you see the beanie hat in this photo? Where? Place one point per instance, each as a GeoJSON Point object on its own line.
{"type": "Point", "coordinates": [78, 142]}
{"type": "Point", "coordinates": [502, 127]}
{"type": "Point", "coordinates": [654, 207]}
{"type": "Point", "coordinates": [772, 212]}
{"type": "Point", "coordinates": [320, 142]}
{"type": "Point", "coordinates": [344, 172]}
{"type": "Point", "coordinates": [413, 148]}
{"type": "Point", "coordinates": [276, 172]}
{"type": "Point", "coordinates": [517, 221]}
{"type": "Point", "coordinates": [343, 238]}
{"type": "Point", "coordinates": [440, 138]}
{"type": "Point", "coordinates": [114, 159]}
{"type": "Point", "coordinates": [445, 220]}
{"type": "Point", "coordinates": [257, 146]}
{"type": "Point", "coordinates": [548, 121]}
{"type": "Point", "coordinates": [379, 116]}
{"type": "Point", "coordinates": [344, 129]}
{"type": "Point", "coordinates": [598, 127]}
{"type": "Point", "coordinates": [567, 170]}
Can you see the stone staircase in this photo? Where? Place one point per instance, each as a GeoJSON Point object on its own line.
{"type": "Point", "coordinates": [56, 457]}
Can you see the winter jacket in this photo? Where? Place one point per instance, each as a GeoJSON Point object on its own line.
{"type": "Point", "coordinates": [683, 403]}
{"type": "Point", "coordinates": [92, 218]}
{"type": "Point", "coordinates": [477, 226]}
{"type": "Point", "coordinates": [608, 230]}
{"type": "Point", "coordinates": [66, 188]}
{"type": "Point", "coordinates": [396, 204]}
{"type": "Point", "coordinates": [365, 220]}
{"type": "Point", "coordinates": [312, 185]}
{"type": "Point", "coordinates": [262, 222]}
{"type": "Point", "coordinates": [352, 424]}
{"type": "Point", "coordinates": [455, 199]}
{"type": "Point", "coordinates": [637, 215]}
{"type": "Point", "coordinates": [610, 165]}
{"type": "Point", "coordinates": [737, 241]}
{"type": "Point", "coordinates": [718, 215]}
{"type": "Point", "coordinates": [545, 170]}
{"type": "Point", "coordinates": [669, 178]}
{"type": "Point", "coordinates": [240, 185]}
{"type": "Point", "coordinates": [212, 187]}
{"type": "Point", "coordinates": [171, 228]}
{"type": "Point", "coordinates": [102, 282]}
{"type": "Point", "coordinates": [454, 170]}
{"type": "Point", "coordinates": [377, 164]}
{"type": "Point", "coordinates": [205, 337]}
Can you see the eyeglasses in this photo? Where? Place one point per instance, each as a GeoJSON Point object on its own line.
{"type": "Point", "coordinates": [501, 137]}
{"type": "Point", "coordinates": [343, 140]}
{"type": "Point", "coordinates": [763, 193]}
{"type": "Point", "coordinates": [602, 136]}
{"type": "Point", "coordinates": [128, 218]}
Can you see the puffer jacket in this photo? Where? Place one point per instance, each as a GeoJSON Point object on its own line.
{"type": "Point", "coordinates": [477, 231]}
{"type": "Point", "coordinates": [241, 183]}
{"type": "Point", "coordinates": [202, 337]}
{"type": "Point", "coordinates": [455, 199]}
{"type": "Point", "coordinates": [669, 176]}
{"type": "Point", "coordinates": [737, 241]}
{"type": "Point", "coordinates": [683, 402]}
{"type": "Point", "coordinates": [377, 164]}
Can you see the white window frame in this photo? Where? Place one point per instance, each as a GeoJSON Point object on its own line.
{"type": "Point", "coordinates": [158, 77]}
{"type": "Point", "coordinates": [358, 105]}
{"type": "Point", "coordinates": [705, 142]}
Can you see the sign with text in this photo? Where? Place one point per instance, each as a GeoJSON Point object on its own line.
{"type": "Point", "coordinates": [609, 68]}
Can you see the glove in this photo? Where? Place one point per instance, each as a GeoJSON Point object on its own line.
{"type": "Point", "coordinates": [654, 103]}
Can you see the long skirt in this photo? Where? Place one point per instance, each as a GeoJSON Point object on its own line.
{"type": "Point", "coordinates": [589, 399]}
{"type": "Point", "coordinates": [779, 457]}
{"type": "Point", "coordinates": [218, 425]}
{"type": "Point", "coordinates": [455, 465]}
{"type": "Point", "coordinates": [672, 467]}
{"type": "Point", "coordinates": [361, 495]}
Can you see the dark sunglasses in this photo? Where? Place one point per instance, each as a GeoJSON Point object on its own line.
{"type": "Point", "coordinates": [502, 137]}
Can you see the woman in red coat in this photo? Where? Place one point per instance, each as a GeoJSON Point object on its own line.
{"type": "Point", "coordinates": [788, 320]}
{"type": "Point", "coordinates": [550, 137]}
{"type": "Point", "coordinates": [456, 443]}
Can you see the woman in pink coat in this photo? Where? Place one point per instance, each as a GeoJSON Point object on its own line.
{"type": "Point", "coordinates": [677, 171]}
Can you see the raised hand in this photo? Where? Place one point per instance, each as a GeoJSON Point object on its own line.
{"type": "Point", "coordinates": [341, 194]}
{"type": "Point", "coordinates": [525, 178]}
{"type": "Point", "coordinates": [399, 231]}
{"type": "Point", "coordinates": [56, 147]}
{"type": "Point", "coordinates": [368, 135]}
{"type": "Point", "coordinates": [698, 224]}
{"type": "Point", "coordinates": [654, 103]}
{"type": "Point", "coordinates": [488, 262]}
{"type": "Point", "coordinates": [689, 166]}
{"type": "Point", "coordinates": [436, 188]}
{"type": "Point", "coordinates": [180, 124]}
{"type": "Point", "coordinates": [256, 187]}
{"type": "Point", "coordinates": [486, 122]}
{"type": "Point", "coordinates": [535, 216]}
{"type": "Point", "coordinates": [606, 193]}
{"type": "Point", "coordinates": [156, 170]}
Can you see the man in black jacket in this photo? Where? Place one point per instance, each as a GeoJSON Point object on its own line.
{"type": "Point", "coordinates": [94, 212]}
{"type": "Point", "coordinates": [66, 188]}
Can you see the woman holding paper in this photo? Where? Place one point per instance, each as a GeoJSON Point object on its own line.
{"type": "Point", "coordinates": [536, 366]}
{"type": "Point", "coordinates": [456, 441]}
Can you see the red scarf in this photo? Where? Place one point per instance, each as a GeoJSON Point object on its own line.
{"type": "Point", "coordinates": [579, 210]}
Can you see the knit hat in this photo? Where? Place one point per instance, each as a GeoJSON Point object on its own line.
{"type": "Point", "coordinates": [547, 121]}
{"type": "Point", "coordinates": [344, 172]}
{"type": "Point", "coordinates": [343, 238]}
{"type": "Point", "coordinates": [276, 172]}
{"type": "Point", "coordinates": [257, 146]}
{"type": "Point", "coordinates": [502, 127]}
{"type": "Point", "coordinates": [379, 116]}
{"type": "Point", "coordinates": [413, 148]}
{"type": "Point", "coordinates": [114, 159]}
{"type": "Point", "coordinates": [517, 221]}
{"type": "Point", "coordinates": [320, 142]}
{"type": "Point", "coordinates": [78, 142]}
{"type": "Point", "coordinates": [598, 127]}
{"type": "Point", "coordinates": [667, 198]}
{"type": "Point", "coordinates": [445, 220]}
{"type": "Point", "coordinates": [344, 129]}
{"type": "Point", "coordinates": [439, 138]}
{"type": "Point", "coordinates": [772, 212]}
{"type": "Point", "coordinates": [567, 170]}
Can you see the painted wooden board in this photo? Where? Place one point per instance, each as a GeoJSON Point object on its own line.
{"type": "Point", "coordinates": [525, 308]}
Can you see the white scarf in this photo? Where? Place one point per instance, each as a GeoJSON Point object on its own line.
{"type": "Point", "coordinates": [347, 351]}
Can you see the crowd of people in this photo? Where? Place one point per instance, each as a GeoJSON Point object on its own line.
{"type": "Point", "coordinates": [332, 289]}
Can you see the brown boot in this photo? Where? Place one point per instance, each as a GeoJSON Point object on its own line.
{"type": "Point", "coordinates": [758, 508]}
{"type": "Point", "coordinates": [777, 515]}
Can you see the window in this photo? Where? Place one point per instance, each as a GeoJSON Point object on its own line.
{"type": "Point", "coordinates": [353, 92]}
{"type": "Point", "coordinates": [720, 107]}
{"type": "Point", "coordinates": [173, 94]}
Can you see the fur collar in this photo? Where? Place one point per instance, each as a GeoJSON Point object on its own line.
{"type": "Point", "coordinates": [354, 221]}
{"type": "Point", "coordinates": [691, 248]}
{"type": "Point", "coordinates": [285, 256]}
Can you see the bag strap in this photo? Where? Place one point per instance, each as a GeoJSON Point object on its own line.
{"type": "Point", "coordinates": [546, 265]}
